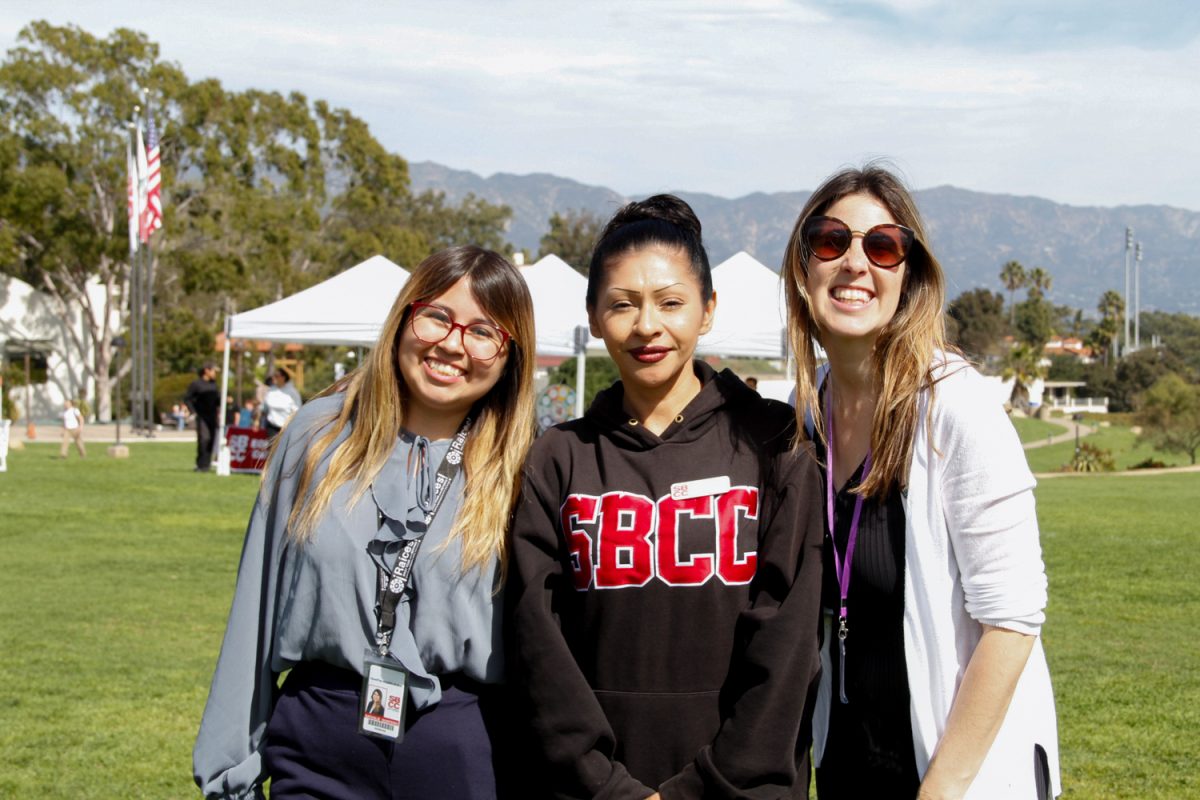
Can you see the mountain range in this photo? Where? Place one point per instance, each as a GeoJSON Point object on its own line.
{"type": "Point", "coordinates": [972, 233]}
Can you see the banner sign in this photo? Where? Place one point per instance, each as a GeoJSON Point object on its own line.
{"type": "Point", "coordinates": [247, 449]}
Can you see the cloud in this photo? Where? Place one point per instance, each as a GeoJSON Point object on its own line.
{"type": "Point", "coordinates": [1080, 102]}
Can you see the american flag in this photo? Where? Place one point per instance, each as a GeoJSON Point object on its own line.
{"type": "Point", "coordinates": [151, 216]}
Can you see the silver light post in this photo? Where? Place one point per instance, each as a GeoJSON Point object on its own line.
{"type": "Point", "coordinates": [118, 450]}
{"type": "Point", "coordinates": [1128, 250]}
{"type": "Point", "coordinates": [1137, 297]}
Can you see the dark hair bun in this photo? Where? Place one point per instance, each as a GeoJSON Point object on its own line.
{"type": "Point", "coordinates": [662, 208]}
{"type": "Point", "coordinates": [662, 220]}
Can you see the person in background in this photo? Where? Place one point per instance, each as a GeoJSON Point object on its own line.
{"type": "Point", "coordinates": [752, 383]}
{"type": "Point", "coordinates": [203, 398]}
{"type": "Point", "coordinates": [72, 430]}
{"type": "Point", "coordinates": [665, 587]}
{"type": "Point", "coordinates": [934, 683]}
{"type": "Point", "coordinates": [421, 446]}
{"type": "Point", "coordinates": [281, 401]}
{"type": "Point", "coordinates": [246, 415]}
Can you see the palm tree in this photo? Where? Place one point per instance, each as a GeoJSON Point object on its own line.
{"type": "Point", "coordinates": [1023, 364]}
{"type": "Point", "coordinates": [1112, 311]}
{"type": "Point", "coordinates": [1039, 283]}
{"type": "Point", "coordinates": [1013, 276]}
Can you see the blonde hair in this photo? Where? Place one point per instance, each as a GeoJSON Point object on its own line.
{"type": "Point", "coordinates": [902, 361]}
{"type": "Point", "coordinates": [375, 399]}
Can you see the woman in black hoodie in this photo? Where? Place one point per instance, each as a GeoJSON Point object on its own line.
{"type": "Point", "coordinates": [665, 575]}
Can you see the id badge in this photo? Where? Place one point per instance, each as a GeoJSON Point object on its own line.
{"type": "Point", "coordinates": [383, 698]}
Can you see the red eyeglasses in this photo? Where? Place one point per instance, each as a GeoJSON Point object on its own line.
{"type": "Point", "coordinates": [432, 324]}
{"type": "Point", "coordinates": [885, 245]}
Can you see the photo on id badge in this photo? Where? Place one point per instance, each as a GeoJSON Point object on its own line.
{"type": "Point", "coordinates": [383, 699]}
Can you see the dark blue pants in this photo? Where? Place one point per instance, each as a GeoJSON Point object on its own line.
{"type": "Point", "coordinates": [313, 748]}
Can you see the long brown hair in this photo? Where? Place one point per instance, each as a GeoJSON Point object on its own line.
{"type": "Point", "coordinates": [902, 360]}
{"type": "Point", "coordinates": [375, 408]}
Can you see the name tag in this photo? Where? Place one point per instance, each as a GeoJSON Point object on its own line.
{"type": "Point", "coordinates": [701, 488]}
{"type": "Point", "coordinates": [383, 698]}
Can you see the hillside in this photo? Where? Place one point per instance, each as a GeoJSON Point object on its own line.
{"type": "Point", "coordinates": [973, 233]}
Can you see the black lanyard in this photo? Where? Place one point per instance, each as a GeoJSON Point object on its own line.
{"type": "Point", "coordinates": [392, 587]}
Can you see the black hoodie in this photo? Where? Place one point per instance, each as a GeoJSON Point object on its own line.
{"type": "Point", "coordinates": [664, 630]}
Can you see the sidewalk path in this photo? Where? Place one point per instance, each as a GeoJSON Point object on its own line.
{"type": "Point", "coordinates": [1068, 435]}
{"type": "Point", "coordinates": [97, 432]}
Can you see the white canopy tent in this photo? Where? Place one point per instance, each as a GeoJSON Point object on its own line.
{"type": "Point", "coordinates": [559, 300]}
{"type": "Point", "coordinates": [559, 310]}
{"type": "Point", "coordinates": [348, 309]}
{"type": "Point", "coordinates": [751, 311]}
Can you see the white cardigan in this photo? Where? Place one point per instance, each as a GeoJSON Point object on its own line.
{"type": "Point", "coordinates": [971, 556]}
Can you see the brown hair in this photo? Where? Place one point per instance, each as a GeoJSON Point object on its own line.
{"type": "Point", "coordinates": [904, 351]}
{"type": "Point", "coordinates": [375, 400]}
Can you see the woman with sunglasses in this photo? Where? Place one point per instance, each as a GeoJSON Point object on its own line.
{"type": "Point", "coordinates": [666, 551]}
{"type": "Point", "coordinates": [934, 683]}
{"type": "Point", "coordinates": [373, 558]}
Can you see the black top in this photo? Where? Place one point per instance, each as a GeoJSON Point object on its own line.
{"type": "Point", "coordinates": [203, 397]}
{"type": "Point", "coordinates": [664, 642]}
{"type": "Point", "coordinates": [869, 749]}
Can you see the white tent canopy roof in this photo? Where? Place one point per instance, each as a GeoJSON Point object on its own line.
{"type": "Point", "coordinates": [347, 309]}
{"type": "Point", "coordinates": [559, 305]}
{"type": "Point", "coordinates": [350, 308]}
{"type": "Point", "coordinates": [751, 311]}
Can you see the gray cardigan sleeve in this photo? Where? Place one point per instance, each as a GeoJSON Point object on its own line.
{"type": "Point", "coordinates": [226, 761]}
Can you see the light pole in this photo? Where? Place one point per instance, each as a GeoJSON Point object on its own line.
{"type": "Point", "coordinates": [1137, 297]}
{"type": "Point", "coordinates": [1128, 250]}
{"type": "Point", "coordinates": [118, 450]}
{"type": "Point", "coordinates": [117, 343]}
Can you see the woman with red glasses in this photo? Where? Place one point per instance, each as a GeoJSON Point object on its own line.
{"type": "Point", "coordinates": [373, 560]}
{"type": "Point", "coordinates": [934, 683]}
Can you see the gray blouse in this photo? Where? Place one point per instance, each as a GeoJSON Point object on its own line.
{"type": "Point", "coordinates": [316, 602]}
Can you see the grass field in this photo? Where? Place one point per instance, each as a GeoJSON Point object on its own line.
{"type": "Point", "coordinates": [1118, 440]}
{"type": "Point", "coordinates": [1031, 429]}
{"type": "Point", "coordinates": [117, 578]}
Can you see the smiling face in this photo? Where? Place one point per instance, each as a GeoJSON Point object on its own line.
{"type": "Point", "coordinates": [852, 299]}
{"type": "Point", "coordinates": [441, 380]}
{"type": "Point", "coordinates": [650, 314]}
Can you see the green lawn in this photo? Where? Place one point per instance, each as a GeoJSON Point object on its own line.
{"type": "Point", "coordinates": [1118, 440]}
{"type": "Point", "coordinates": [117, 577]}
{"type": "Point", "coordinates": [1031, 429]}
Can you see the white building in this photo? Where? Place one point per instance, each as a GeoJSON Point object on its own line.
{"type": "Point", "coordinates": [30, 322]}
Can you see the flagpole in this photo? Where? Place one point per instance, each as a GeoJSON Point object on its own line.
{"type": "Point", "coordinates": [135, 299]}
{"type": "Point", "coordinates": [149, 304]}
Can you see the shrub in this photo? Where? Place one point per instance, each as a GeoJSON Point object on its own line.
{"type": "Point", "coordinates": [1091, 459]}
{"type": "Point", "coordinates": [1149, 463]}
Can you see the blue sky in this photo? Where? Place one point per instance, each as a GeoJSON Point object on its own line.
{"type": "Point", "coordinates": [1089, 103]}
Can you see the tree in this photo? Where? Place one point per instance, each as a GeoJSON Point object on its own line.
{"type": "Point", "coordinates": [66, 98]}
{"type": "Point", "coordinates": [1179, 333]}
{"type": "Point", "coordinates": [1013, 276]}
{"type": "Point", "coordinates": [599, 373]}
{"type": "Point", "coordinates": [1035, 322]}
{"type": "Point", "coordinates": [1040, 282]}
{"type": "Point", "coordinates": [1137, 372]}
{"type": "Point", "coordinates": [1112, 312]}
{"type": "Point", "coordinates": [1170, 415]}
{"type": "Point", "coordinates": [265, 193]}
{"type": "Point", "coordinates": [1035, 318]}
{"type": "Point", "coordinates": [977, 322]}
{"type": "Point", "coordinates": [571, 237]}
{"type": "Point", "coordinates": [1022, 365]}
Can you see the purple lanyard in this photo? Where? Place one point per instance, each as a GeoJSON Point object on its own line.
{"type": "Point", "coordinates": [841, 568]}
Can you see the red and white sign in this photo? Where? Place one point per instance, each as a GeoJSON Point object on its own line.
{"type": "Point", "coordinates": [247, 449]}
